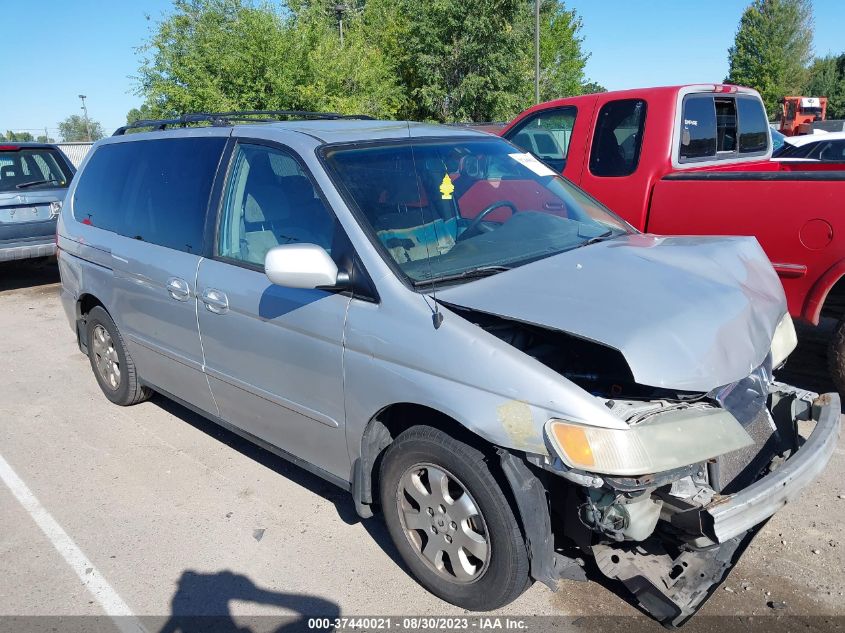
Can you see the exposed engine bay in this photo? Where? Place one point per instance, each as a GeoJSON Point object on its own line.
{"type": "Point", "coordinates": [658, 534]}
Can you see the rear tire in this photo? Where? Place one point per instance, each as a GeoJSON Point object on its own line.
{"type": "Point", "coordinates": [466, 514]}
{"type": "Point", "coordinates": [836, 356]}
{"type": "Point", "coordinates": [113, 367]}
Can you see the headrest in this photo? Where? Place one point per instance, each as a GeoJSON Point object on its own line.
{"type": "Point", "coordinates": [252, 210]}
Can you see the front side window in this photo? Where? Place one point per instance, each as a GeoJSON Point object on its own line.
{"type": "Point", "coordinates": [618, 138]}
{"type": "Point", "coordinates": [270, 201]}
{"type": "Point", "coordinates": [452, 208]}
{"type": "Point", "coordinates": [833, 151]}
{"type": "Point", "coordinates": [32, 168]}
{"type": "Point", "coordinates": [154, 190]}
{"type": "Point", "coordinates": [546, 135]}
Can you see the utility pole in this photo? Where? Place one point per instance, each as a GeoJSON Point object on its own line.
{"type": "Point", "coordinates": [339, 10]}
{"type": "Point", "coordinates": [85, 111]}
{"type": "Point", "coordinates": [536, 51]}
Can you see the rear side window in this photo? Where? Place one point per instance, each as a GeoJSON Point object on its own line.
{"type": "Point", "coordinates": [722, 128]}
{"type": "Point", "coordinates": [546, 134]}
{"type": "Point", "coordinates": [618, 138]}
{"type": "Point", "coordinates": [32, 169]}
{"type": "Point", "coordinates": [155, 191]}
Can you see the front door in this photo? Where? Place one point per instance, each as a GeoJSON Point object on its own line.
{"type": "Point", "coordinates": [274, 355]}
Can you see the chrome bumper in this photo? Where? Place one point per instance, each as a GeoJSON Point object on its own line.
{"type": "Point", "coordinates": [729, 516]}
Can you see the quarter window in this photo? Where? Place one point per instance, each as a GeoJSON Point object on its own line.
{"type": "Point", "coordinates": [618, 138]}
{"type": "Point", "coordinates": [155, 191]}
{"type": "Point", "coordinates": [270, 201]}
{"type": "Point", "coordinates": [546, 135]}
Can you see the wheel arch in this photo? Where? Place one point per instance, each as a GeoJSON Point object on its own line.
{"type": "Point", "coordinates": [84, 304]}
{"type": "Point", "coordinates": [383, 428]}
{"type": "Point", "coordinates": [827, 295]}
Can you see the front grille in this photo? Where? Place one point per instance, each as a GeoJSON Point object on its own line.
{"type": "Point", "coordinates": [747, 400]}
{"type": "Point", "coordinates": [734, 471]}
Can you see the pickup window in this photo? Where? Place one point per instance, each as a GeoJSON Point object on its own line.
{"type": "Point", "coordinates": [716, 128]}
{"type": "Point", "coordinates": [546, 135]}
{"type": "Point", "coordinates": [618, 138]}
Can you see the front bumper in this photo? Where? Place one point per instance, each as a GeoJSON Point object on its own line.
{"type": "Point", "coordinates": [728, 516]}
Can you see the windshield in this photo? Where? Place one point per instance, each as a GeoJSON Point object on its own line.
{"type": "Point", "coordinates": [32, 168]}
{"type": "Point", "coordinates": [454, 208]}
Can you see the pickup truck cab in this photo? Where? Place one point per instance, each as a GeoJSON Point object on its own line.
{"type": "Point", "coordinates": [696, 160]}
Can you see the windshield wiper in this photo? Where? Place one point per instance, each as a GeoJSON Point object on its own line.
{"type": "Point", "coordinates": [472, 273]}
{"type": "Point", "coordinates": [597, 238]}
{"type": "Point", "coordinates": [32, 183]}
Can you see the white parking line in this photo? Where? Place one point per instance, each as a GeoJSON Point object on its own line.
{"type": "Point", "coordinates": [106, 596]}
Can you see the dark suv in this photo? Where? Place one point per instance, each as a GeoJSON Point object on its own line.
{"type": "Point", "coordinates": [34, 178]}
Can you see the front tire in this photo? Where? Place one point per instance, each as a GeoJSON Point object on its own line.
{"type": "Point", "coordinates": [451, 522]}
{"type": "Point", "coordinates": [113, 367]}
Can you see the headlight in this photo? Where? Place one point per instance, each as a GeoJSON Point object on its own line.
{"type": "Point", "coordinates": [666, 441]}
{"type": "Point", "coordinates": [784, 341]}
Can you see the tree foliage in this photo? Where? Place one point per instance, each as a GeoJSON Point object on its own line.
{"type": "Point", "coordinates": [417, 59]}
{"type": "Point", "coordinates": [827, 79]}
{"type": "Point", "coordinates": [74, 128]}
{"type": "Point", "coordinates": [772, 49]}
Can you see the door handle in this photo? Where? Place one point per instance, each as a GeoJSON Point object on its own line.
{"type": "Point", "coordinates": [215, 301]}
{"type": "Point", "coordinates": [178, 289]}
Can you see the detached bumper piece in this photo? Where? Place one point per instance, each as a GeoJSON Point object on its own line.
{"type": "Point", "coordinates": [673, 572]}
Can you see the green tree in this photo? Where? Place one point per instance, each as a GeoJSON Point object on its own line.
{"type": "Point", "coordinates": [220, 55]}
{"type": "Point", "coordinates": [591, 87]}
{"type": "Point", "coordinates": [20, 137]}
{"type": "Point", "coordinates": [74, 128]}
{"type": "Point", "coordinates": [562, 59]}
{"type": "Point", "coordinates": [827, 79]}
{"type": "Point", "coordinates": [772, 49]}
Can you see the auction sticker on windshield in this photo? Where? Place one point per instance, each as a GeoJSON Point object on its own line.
{"type": "Point", "coordinates": [528, 160]}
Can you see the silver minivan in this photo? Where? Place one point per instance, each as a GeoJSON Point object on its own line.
{"type": "Point", "coordinates": [437, 322]}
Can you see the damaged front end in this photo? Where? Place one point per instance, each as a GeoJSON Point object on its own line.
{"type": "Point", "coordinates": [671, 538]}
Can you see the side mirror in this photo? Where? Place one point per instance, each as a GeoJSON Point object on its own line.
{"type": "Point", "coordinates": [302, 266]}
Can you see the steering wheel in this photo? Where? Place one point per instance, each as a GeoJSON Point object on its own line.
{"type": "Point", "coordinates": [475, 226]}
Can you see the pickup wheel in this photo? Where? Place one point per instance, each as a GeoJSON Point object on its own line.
{"type": "Point", "coordinates": [450, 521]}
{"type": "Point", "coordinates": [113, 367]}
{"type": "Point", "coordinates": [836, 356]}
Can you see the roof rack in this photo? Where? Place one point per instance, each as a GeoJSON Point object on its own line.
{"type": "Point", "coordinates": [228, 118]}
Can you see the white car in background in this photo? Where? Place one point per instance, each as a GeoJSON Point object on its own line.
{"type": "Point", "coordinates": [826, 147]}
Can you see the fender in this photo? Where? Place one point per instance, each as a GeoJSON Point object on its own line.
{"type": "Point", "coordinates": [818, 293]}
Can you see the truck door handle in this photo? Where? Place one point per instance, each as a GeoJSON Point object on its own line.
{"type": "Point", "coordinates": [215, 301]}
{"type": "Point", "coordinates": [178, 289]}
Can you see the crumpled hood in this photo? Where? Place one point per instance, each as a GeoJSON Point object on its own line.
{"type": "Point", "coordinates": [687, 313]}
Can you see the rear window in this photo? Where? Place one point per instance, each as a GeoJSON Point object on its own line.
{"type": "Point", "coordinates": [722, 127]}
{"type": "Point", "coordinates": [32, 168]}
{"type": "Point", "coordinates": [155, 191]}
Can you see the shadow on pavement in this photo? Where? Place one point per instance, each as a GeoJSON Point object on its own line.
{"type": "Point", "coordinates": [28, 273]}
{"type": "Point", "coordinates": [202, 604]}
{"type": "Point", "coordinates": [341, 499]}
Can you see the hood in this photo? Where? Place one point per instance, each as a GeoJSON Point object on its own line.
{"type": "Point", "coordinates": [687, 313]}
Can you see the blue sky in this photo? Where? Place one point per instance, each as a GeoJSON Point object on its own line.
{"type": "Point", "coordinates": [88, 47]}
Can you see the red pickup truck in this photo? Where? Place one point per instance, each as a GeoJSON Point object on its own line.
{"type": "Point", "coordinates": [696, 160]}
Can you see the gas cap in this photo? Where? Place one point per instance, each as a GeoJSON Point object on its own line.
{"type": "Point", "coordinates": [816, 234]}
